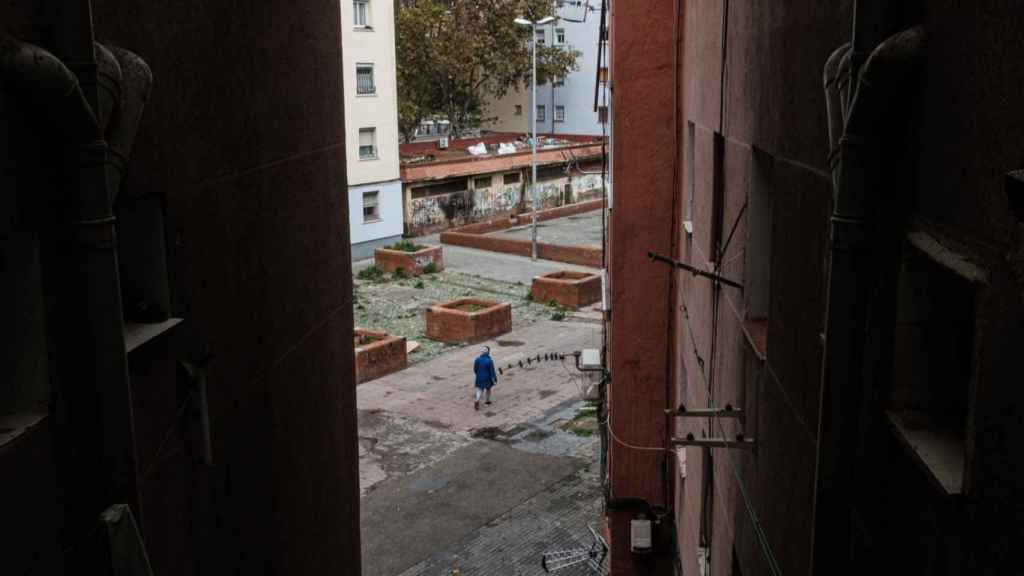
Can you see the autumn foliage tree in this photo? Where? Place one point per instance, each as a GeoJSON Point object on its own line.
{"type": "Point", "coordinates": [454, 55]}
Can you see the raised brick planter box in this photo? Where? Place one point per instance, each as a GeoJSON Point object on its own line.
{"type": "Point", "coordinates": [468, 320]}
{"type": "Point", "coordinates": [570, 289]}
{"type": "Point", "coordinates": [377, 354]}
{"type": "Point", "coordinates": [412, 263]}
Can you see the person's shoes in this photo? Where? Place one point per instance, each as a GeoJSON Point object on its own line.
{"type": "Point", "coordinates": [476, 405]}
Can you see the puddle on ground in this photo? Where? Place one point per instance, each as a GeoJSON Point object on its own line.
{"type": "Point", "coordinates": [509, 343]}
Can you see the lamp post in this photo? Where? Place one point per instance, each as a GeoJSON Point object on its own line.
{"type": "Point", "coordinates": [533, 115]}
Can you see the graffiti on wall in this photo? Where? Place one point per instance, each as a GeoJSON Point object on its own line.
{"type": "Point", "coordinates": [432, 213]}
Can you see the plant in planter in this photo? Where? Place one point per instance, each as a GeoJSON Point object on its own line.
{"type": "Point", "coordinates": [411, 258]}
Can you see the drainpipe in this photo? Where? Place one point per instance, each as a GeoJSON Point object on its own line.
{"type": "Point", "coordinates": [93, 398]}
{"type": "Point", "coordinates": [835, 110]}
{"type": "Point", "coordinates": [108, 85]}
{"type": "Point", "coordinates": [889, 73]}
{"type": "Point", "coordinates": [136, 82]}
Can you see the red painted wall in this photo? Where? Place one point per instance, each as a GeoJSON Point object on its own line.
{"type": "Point", "coordinates": [642, 58]}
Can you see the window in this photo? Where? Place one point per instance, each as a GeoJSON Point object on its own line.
{"type": "Point", "coordinates": [559, 113]}
{"type": "Point", "coordinates": [550, 173]}
{"type": "Point", "coordinates": [371, 210]}
{"type": "Point", "coordinates": [511, 178]}
{"type": "Point", "coordinates": [541, 113]}
{"type": "Point", "coordinates": [756, 251]}
{"type": "Point", "coordinates": [689, 179]}
{"type": "Point", "coordinates": [602, 114]}
{"type": "Point", "coordinates": [367, 143]}
{"type": "Point", "coordinates": [364, 79]}
{"type": "Point", "coordinates": [559, 36]}
{"type": "Point", "coordinates": [482, 183]}
{"type": "Point", "coordinates": [361, 13]}
{"type": "Point", "coordinates": [449, 187]}
{"type": "Point", "coordinates": [519, 109]}
{"type": "Point", "coordinates": [933, 367]}
{"type": "Point", "coordinates": [540, 37]}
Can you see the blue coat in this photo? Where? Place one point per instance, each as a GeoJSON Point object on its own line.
{"type": "Point", "coordinates": [483, 367]}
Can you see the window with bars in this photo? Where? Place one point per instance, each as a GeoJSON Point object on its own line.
{"type": "Point", "coordinates": [364, 79]}
{"type": "Point", "coordinates": [559, 36]}
{"type": "Point", "coordinates": [559, 113]}
{"type": "Point", "coordinates": [541, 113]}
{"type": "Point", "coordinates": [361, 13]}
{"type": "Point", "coordinates": [371, 207]}
{"type": "Point", "coordinates": [367, 143]}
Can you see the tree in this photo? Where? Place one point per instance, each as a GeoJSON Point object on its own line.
{"type": "Point", "coordinates": [454, 55]}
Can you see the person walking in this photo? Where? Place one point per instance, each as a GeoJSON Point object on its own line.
{"type": "Point", "coordinates": [483, 367]}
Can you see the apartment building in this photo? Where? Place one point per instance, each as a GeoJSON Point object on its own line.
{"type": "Point", "coordinates": [371, 124]}
{"type": "Point", "coordinates": [820, 376]}
{"type": "Point", "coordinates": [564, 105]}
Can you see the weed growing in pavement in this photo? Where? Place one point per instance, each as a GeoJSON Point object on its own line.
{"type": "Point", "coordinates": [371, 273]}
{"type": "Point", "coordinates": [420, 285]}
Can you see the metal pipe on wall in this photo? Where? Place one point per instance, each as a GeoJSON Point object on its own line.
{"type": "Point", "coordinates": [857, 175]}
{"type": "Point", "coordinates": [93, 400]}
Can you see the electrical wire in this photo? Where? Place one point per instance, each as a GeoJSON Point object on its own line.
{"type": "Point", "coordinates": [747, 502]}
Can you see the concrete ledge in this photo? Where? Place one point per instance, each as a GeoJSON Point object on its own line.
{"type": "Point", "coordinates": [568, 288]}
{"type": "Point", "coordinates": [473, 236]}
{"type": "Point", "coordinates": [468, 320]}
{"type": "Point", "coordinates": [412, 263]}
{"type": "Point", "coordinates": [378, 354]}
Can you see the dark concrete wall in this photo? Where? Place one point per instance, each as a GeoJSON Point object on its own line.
{"type": "Point", "coordinates": [753, 92]}
{"type": "Point", "coordinates": [754, 83]}
{"type": "Point", "coordinates": [242, 138]}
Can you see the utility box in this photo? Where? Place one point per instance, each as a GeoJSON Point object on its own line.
{"type": "Point", "coordinates": [590, 359]}
{"type": "Point", "coordinates": [640, 535]}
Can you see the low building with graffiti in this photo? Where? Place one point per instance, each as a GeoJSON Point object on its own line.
{"type": "Point", "coordinates": [457, 182]}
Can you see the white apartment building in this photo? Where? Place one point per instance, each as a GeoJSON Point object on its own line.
{"type": "Point", "coordinates": [565, 105]}
{"type": "Point", "coordinates": [371, 124]}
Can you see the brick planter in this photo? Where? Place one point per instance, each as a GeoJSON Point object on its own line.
{"type": "Point", "coordinates": [468, 320]}
{"type": "Point", "coordinates": [570, 289]}
{"type": "Point", "coordinates": [412, 263]}
{"type": "Point", "coordinates": [377, 354]}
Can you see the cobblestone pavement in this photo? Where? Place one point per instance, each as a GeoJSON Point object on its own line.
{"type": "Point", "coordinates": [513, 544]}
{"type": "Point", "coordinates": [397, 306]}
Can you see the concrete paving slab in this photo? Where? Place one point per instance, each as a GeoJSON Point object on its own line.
{"type": "Point", "coordinates": [556, 518]}
{"type": "Point", "coordinates": [391, 445]}
{"type": "Point", "coordinates": [577, 230]}
{"type": "Point", "coordinates": [436, 507]}
{"type": "Point", "coordinates": [440, 391]}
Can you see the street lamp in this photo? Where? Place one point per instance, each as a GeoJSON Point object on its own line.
{"type": "Point", "coordinates": [533, 115]}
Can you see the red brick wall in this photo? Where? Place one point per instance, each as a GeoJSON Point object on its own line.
{"type": "Point", "coordinates": [641, 220]}
{"type": "Point", "coordinates": [383, 356]}
{"type": "Point", "coordinates": [411, 263]}
{"type": "Point", "coordinates": [569, 292]}
{"type": "Point", "coordinates": [446, 324]}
